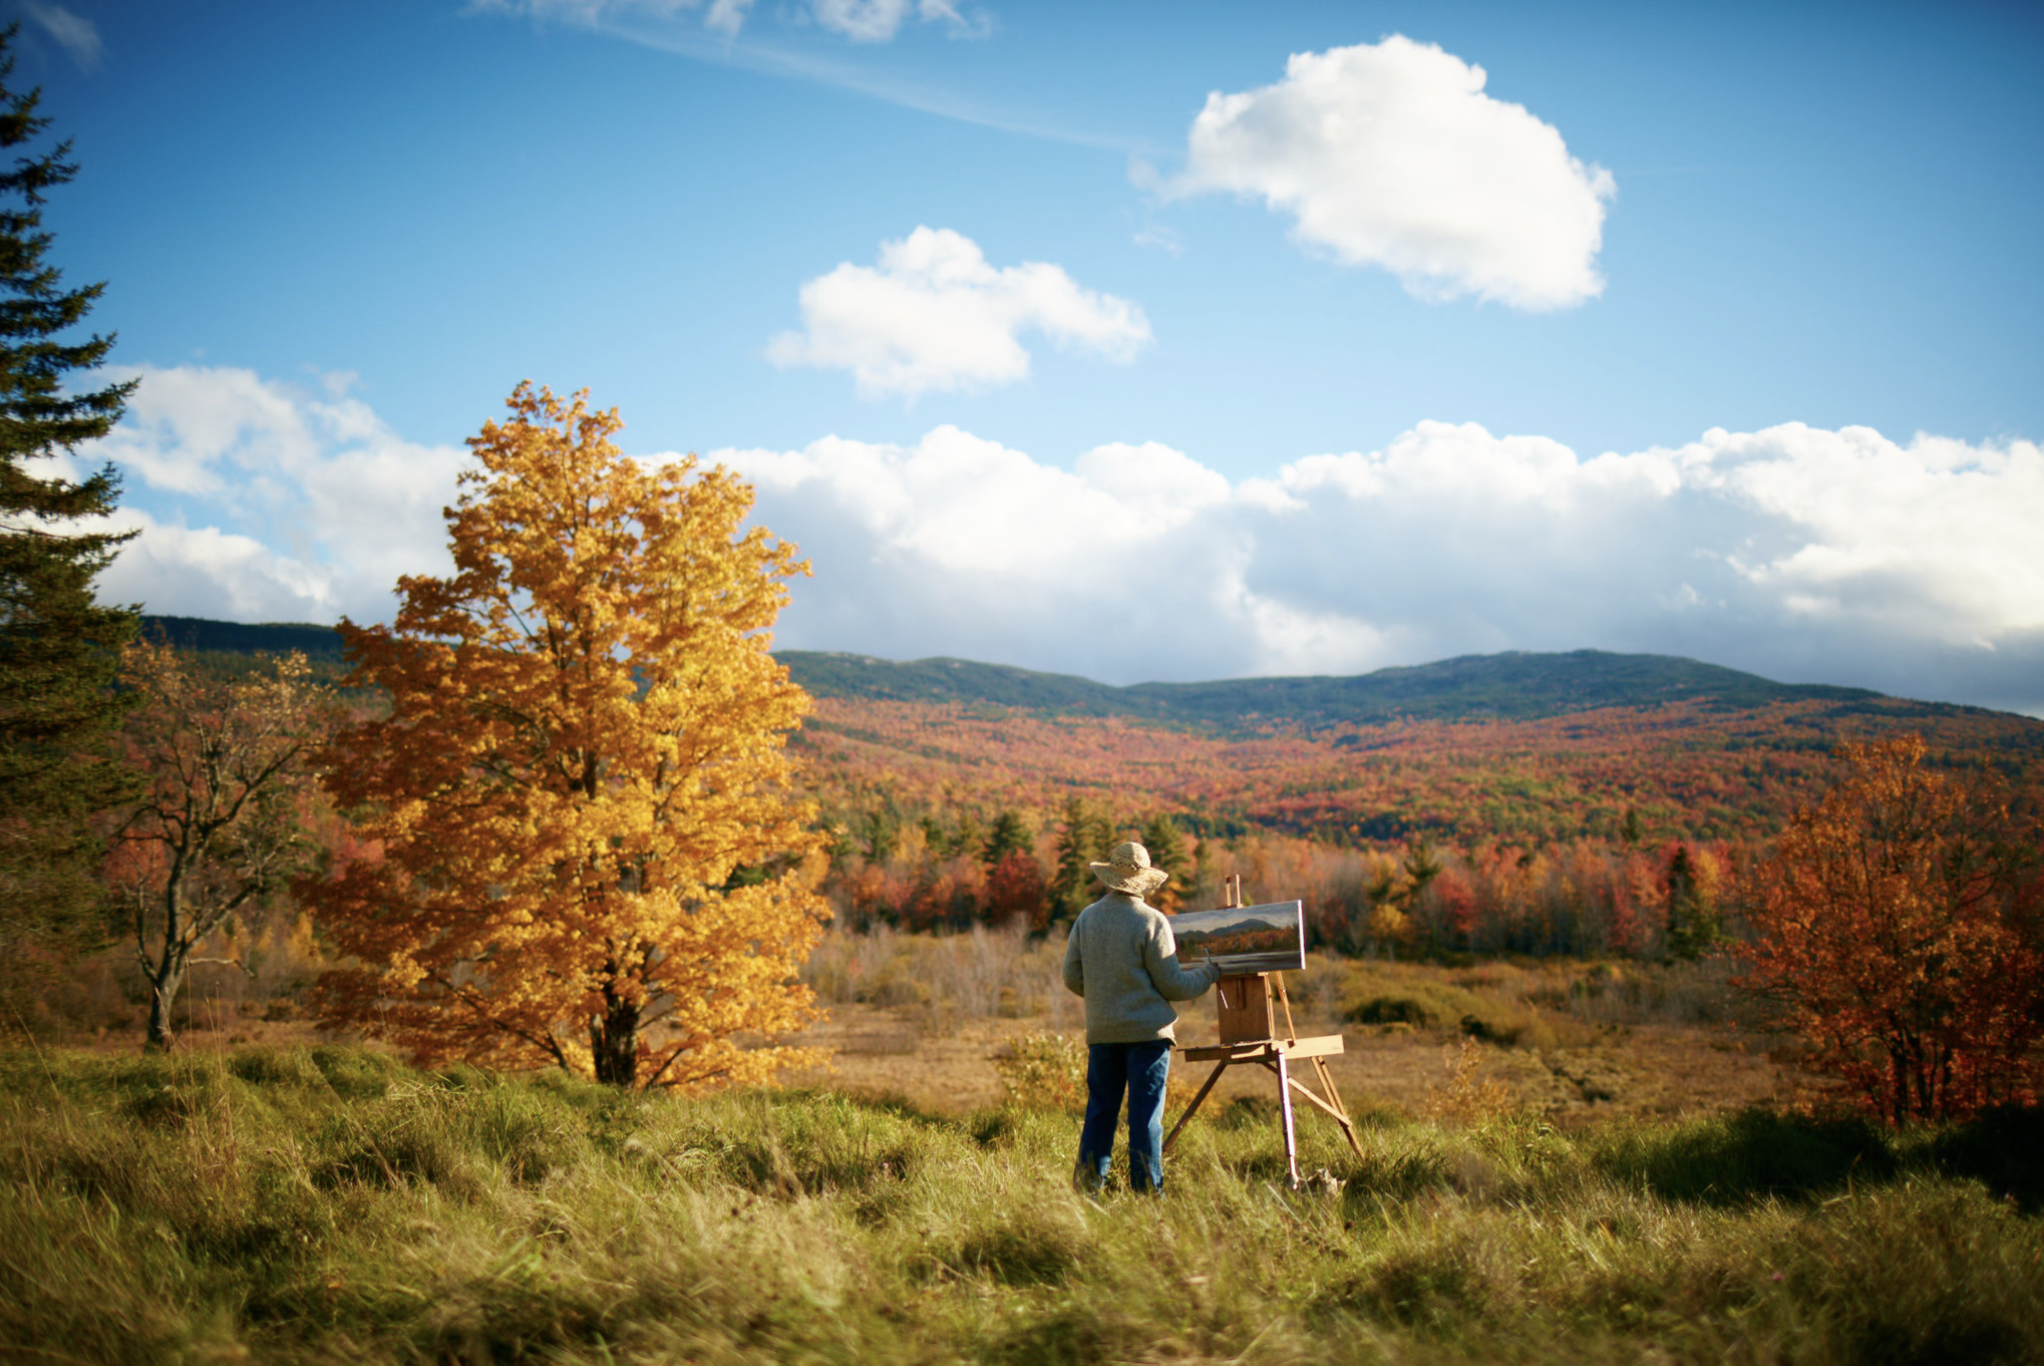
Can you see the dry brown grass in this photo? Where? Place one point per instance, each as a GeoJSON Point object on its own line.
{"type": "Point", "coordinates": [927, 1018]}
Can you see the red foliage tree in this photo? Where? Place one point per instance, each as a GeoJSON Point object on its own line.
{"type": "Point", "coordinates": [1455, 895]}
{"type": "Point", "coordinates": [1891, 931]}
{"type": "Point", "coordinates": [1015, 891]}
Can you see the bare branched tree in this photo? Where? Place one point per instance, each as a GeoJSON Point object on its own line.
{"type": "Point", "coordinates": [222, 818]}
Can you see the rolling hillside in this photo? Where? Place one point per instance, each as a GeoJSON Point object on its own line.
{"type": "Point", "coordinates": [1514, 686]}
{"type": "Point", "coordinates": [1520, 747]}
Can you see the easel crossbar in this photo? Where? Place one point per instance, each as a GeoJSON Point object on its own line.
{"type": "Point", "coordinates": [1273, 1055]}
{"type": "Point", "coordinates": [1261, 1049]}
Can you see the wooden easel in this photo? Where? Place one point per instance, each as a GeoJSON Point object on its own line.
{"type": "Point", "coordinates": [1249, 1035]}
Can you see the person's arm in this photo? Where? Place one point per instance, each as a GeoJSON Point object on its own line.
{"type": "Point", "coordinates": [1173, 981]}
{"type": "Point", "coordinates": [1075, 965]}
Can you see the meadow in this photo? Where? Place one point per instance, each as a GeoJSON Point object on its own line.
{"type": "Point", "coordinates": [313, 1202]}
{"type": "Point", "coordinates": [321, 1204]}
{"type": "Point", "coordinates": [931, 1018]}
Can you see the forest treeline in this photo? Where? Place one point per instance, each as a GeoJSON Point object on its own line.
{"type": "Point", "coordinates": [1626, 831]}
{"type": "Point", "coordinates": [941, 870]}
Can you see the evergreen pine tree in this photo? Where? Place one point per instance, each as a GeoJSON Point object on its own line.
{"type": "Point", "coordinates": [59, 647]}
{"type": "Point", "coordinates": [1167, 851]}
{"type": "Point", "coordinates": [1010, 835]}
{"type": "Point", "coordinates": [1083, 839]}
{"type": "Point", "coordinates": [1692, 921]}
{"type": "Point", "coordinates": [1421, 866]}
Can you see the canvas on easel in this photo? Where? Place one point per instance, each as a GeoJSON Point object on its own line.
{"type": "Point", "coordinates": [1255, 946]}
{"type": "Point", "coordinates": [1243, 940]}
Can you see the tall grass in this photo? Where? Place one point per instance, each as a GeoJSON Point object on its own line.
{"type": "Point", "coordinates": [330, 1204]}
{"type": "Point", "coordinates": [1002, 973]}
{"type": "Point", "coordinates": [979, 974]}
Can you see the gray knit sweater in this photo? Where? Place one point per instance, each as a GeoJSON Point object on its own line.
{"type": "Point", "coordinates": [1123, 959]}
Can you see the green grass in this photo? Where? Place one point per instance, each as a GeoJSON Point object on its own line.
{"type": "Point", "coordinates": [332, 1205]}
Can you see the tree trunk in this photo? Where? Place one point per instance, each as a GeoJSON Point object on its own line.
{"type": "Point", "coordinates": [169, 973]}
{"type": "Point", "coordinates": [162, 996]}
{"type": "Point", "coordinates": [614, 1044]}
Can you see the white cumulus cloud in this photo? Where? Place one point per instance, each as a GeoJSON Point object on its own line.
{"type": "Point", "coordinates": [1391, 154]}
{"type": "Point", "coordinates": [933, 314]}
{"type": "Point", "coordinates": [263, 501]}
{"type": "Point", "coordinates": [1800, 553]}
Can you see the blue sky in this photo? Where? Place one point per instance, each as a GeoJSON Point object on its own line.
{"type": "Point", "coordinates": [1141, 341]}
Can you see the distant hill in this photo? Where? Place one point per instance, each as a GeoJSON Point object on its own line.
{"type": "Point", "coordinates": [238, 638]}
{"type": "Point", "coordinates": [1506, 687]}
{"type": "Point", "coordinates": [1525, 748]}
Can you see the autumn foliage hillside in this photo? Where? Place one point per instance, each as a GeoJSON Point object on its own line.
{"type": "Point", "coordinates": [1626, 828]}
{"type": "Point", "coordinates": [1692, 770]}
{"type": "Point", "coordinates": [1573, 803]}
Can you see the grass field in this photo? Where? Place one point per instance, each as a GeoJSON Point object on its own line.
{"type": "Point", "coordinates": [328, 1204]}
{"type": "Point", "coordinates": [1572, 1043]}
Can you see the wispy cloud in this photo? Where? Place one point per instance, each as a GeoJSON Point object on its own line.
{"type": "Point", "coordinates": [712, 32]}
{"type": "Point", "coordinates": [877, 21]}
{"type": "Point", "coordinates": [77, 36]}
{"type": "Point", "coordinates": [1156, 237]}
{"type": "Point", "coordinates": [861, 21]}
{"type": "Point", "coordinates": [726, 16]}
{"type": "Point", "coordinates": [933, 314]}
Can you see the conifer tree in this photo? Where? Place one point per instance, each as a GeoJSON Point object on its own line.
{"type": "Point", "coordinates": [59, 647]}
{"type": "Point", "coordinates": [1167, 851]}
{"type": "Point", "coordinates": [1010, 835]}
{"type": "Point", "coordinates": [1692, 919]}
{"type": "Point", "coordinates": [1083, 839]}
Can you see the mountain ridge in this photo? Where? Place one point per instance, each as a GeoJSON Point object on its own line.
{"type": "Point", "coordinates": [1509, 686]}
{"type": "Point", "coordinates": [1518, 685]}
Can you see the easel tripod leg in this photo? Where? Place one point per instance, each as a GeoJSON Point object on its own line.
{"type": "Point", "coordinates": [1340, 1111]}
{"type": "Point", "coordinates": [1212, 1077]}
{"type": "Point", "coordinates": [1285, 1104]}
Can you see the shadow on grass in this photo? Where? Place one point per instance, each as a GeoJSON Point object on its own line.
{"type": "Point", "coordinates": [1757, 1153]}
{"type": "Point", "coordinates": [1069, 1336]}
{"type": "Point", "coordinates": [1023, 1254]}
{"type": "Point", "coordinates": [1750, 1155]}
{"type": "Point", "coordinates": [2001, 1149]}
{"type": "Point", "coordinates": [1959, 1338]}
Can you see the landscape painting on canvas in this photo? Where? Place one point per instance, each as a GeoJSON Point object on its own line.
{"type": "Point", "coordinates": [1244, 939]}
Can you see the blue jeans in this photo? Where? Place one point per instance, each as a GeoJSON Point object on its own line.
{"type": "Point", "coordinates": [1140, 1069]}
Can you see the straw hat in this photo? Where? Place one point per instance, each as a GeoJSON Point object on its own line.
{"type": "Point", "coordinates": [1128, 870]}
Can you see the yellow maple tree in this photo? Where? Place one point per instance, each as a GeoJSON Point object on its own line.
{"type": "Point", "coordinates": [583, 844]}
